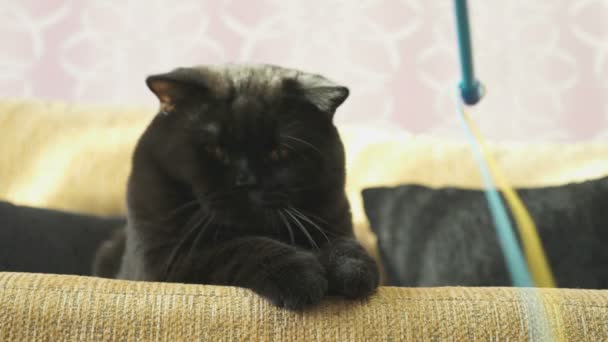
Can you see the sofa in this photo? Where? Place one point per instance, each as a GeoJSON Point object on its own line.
{"type": "Point", "coordinates": [76, 157]}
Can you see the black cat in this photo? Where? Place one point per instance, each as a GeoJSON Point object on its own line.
{"type": "Point", "coordinates": [239, 180]}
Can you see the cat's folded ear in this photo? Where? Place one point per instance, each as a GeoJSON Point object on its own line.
{"type": "Point", "coordinates": [324, 94]}
{"type": "Point", "coordinates": [174, 87]}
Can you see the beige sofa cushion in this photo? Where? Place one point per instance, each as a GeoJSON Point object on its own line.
{"type": "Point", "coordinates": [35, 307]}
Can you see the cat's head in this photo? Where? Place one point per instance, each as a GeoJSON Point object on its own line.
{"type": "Point", "coordinates": [247, 139]}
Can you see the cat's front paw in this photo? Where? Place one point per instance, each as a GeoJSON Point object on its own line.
{"type": "Point", "coordinates": [298, 283]}
{"type": "Point", "coordinates": [354, 278]}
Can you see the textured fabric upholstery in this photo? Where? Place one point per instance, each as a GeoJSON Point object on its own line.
{"type": "Point", "coordinates": [54, 308]}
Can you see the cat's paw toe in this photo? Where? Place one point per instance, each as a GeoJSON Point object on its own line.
{"type": "Point", "coordinates": [354, 278]}
{"type": "Point", "coordinates": [300, 284]}
{"type": "Point", "coordinates": [309, 290]}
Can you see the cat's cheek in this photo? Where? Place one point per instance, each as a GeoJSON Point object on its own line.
{"type": "Point", "coordinates": [281, 174]}
{"type": "Point", "coordinates": [281, 177]}
{"type": "Point", "coordinates": [200, 181]}
{"type": "Point", "coordinates": [199, 188]}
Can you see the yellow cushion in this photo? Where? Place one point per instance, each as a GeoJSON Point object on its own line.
{"type": "Point", "coordinates": [67, 156]}
{"type": "Point", "coordinates": [77, 157]}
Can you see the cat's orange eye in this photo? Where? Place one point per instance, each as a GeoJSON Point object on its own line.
{"type": "Point", "coordinates": [279, 153]}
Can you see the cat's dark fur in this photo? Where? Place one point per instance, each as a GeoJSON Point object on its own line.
{"type": "Point", "coordinates": [239, 180]}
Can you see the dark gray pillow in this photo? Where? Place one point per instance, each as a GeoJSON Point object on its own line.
{"type": "Point", "coordinates": [50, 241]}
{"type": "Point", "coordinates": [445, 236]}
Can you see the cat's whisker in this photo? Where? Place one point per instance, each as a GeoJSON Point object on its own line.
{"type": "Point", "coordinates": [189, 225]}
{"type": "Point", "coordinates": [198, 216]}
{"type": "Point", "coordinates": [305, 218]}
{"type": "Point", "coordinates": [305, 143]}
{"type": "Point", "coordinates": [288, 226]}
{"type": "Point", "coordinates": [289, 147]}
{"type": "Point", "coordinates": [176, 210]}
{"type": "Point", "coordinates": [171, 214]}
{"type": "Point", "coordinates": [201, 233]}
{"type": "Point", "coordinates": [312, 216]}
{"type": "Point", "coordinates": [269, 216]}
{"type": "Point", "coordinates": [293, 149]}
{"type": "Point", "coordinates": [291, 125]}
{"type": "Point", "coordinates": [302, 228]}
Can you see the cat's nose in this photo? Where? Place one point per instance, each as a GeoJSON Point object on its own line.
{"type": "Point", "coordinates": [245, 179]}
{"type": "Point", "coordinates": [244, 176]}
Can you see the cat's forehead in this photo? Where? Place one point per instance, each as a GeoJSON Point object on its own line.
{"type": "Point", "coordinates": [250, 100]}
{"type": "Point", "coordinates": [265, 81]}
{"type": "Point", "coordinates": [242, 126]}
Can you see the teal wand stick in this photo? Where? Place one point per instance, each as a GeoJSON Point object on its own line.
{"type": "Point", "coordinates": [471, 93]}
{"type": "Point", "coordinates": [470, 89]}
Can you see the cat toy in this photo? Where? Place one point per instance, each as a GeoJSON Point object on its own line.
{"type": "Point", "coordinates": [470, 93]}
{"type": "Point", "coordinates": [532, 270]}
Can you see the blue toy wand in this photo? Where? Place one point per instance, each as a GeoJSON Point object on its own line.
{"type": "Point", "coordinates": [471, 93]}
{"type": "Point", "coordinates": [470, 88]}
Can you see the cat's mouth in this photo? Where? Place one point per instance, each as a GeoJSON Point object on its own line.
{"type": "Point", "coordinates": [245, 206]}
{"type": "Point", "coordinates": [244, 199]}
{"type": "Point", "coordinates": [271, 200]}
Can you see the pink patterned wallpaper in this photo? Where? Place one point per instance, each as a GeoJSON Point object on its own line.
{"type": "Point", "coordinates": [544, 62]}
